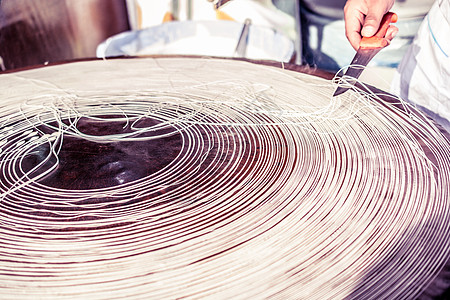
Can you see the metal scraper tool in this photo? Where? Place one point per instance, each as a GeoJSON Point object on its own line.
{"type": "Point", "coordinates": [368, 48]}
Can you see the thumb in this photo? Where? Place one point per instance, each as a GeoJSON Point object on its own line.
{"type": "Point", "coordinates": [371, 23]}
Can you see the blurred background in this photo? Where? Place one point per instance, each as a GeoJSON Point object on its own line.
{"type": "Point", "coordinates": [35, 32]}
{"type": "Point", "coordinates": [305, 32]}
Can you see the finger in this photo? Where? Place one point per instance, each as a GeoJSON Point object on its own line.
{"type": "Point", "coordinates": [373, 20]}
{"type": "Point", "coordinates": [354, 38]}
{"type": "Point", "coordinates": [353, 24]}
{"type": "Point", "coordinates": [391, 32]}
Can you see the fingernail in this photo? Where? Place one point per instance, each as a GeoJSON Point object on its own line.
{"type": "Point", "coordinates": [368, 31]}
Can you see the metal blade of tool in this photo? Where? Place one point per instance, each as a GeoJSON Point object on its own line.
{"type": "Point", "coordinates": [357, 66]}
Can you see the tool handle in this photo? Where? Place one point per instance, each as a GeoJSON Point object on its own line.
{"type": "Point", "coordinates": [378, 40]}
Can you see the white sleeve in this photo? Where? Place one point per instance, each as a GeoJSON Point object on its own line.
{"type": "Point", "coordinates": [423, 76]}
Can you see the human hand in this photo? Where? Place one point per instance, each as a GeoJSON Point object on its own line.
{"type": "Point", "coordinates": [363, 17]}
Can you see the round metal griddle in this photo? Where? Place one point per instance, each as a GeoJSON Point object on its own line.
{"type": "Point", "coordinates": [170, 177]}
